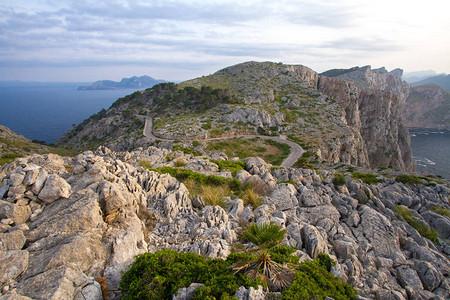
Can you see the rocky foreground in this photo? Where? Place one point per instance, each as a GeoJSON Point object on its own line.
{"type": "Point", "coordinates": [70, 226]}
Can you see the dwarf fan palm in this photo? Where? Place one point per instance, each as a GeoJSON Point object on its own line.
{"type": "Point", "coordinates": [265, 237]}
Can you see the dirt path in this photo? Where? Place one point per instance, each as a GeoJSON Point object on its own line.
{"type": "Point", "coordinates": [296, 150]}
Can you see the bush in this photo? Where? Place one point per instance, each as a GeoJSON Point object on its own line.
{"type": "Point", "coordinates": [302, 163]}
{"type": "Point", "coordinates": [313, 281]}
{"type": "Point", "coordinates": [250, 197]}
{"type": "Point", "coordinates": [424, 229]}
{"type": "Point", "coordinates": [366, 177]}
{"type": "Point", "coordinates": [339, 179]}
{"type": "Point", "coordinates": [160, 275]}
{"type": "Point", "coordinates": [408, 179]}
{"type": "Point", "coordinates": [233, 166]}
{"type": "Point", "coordinates": [185, 174]}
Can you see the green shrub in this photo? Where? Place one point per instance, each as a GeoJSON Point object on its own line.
{"type": "Point", "coordinates": [185, 174]}
{"type": "Point", "coordinates": [8, 157]}
{"type": "Point", "coordinates": [302, 163]}
{"type": "Point", "coordinates": [424, 229]}
{"type": "Point", "coordinates": [339, 179]}
{"type": "Point", "coordinates": [441, 210]}
{"type": "Point", "coordinates": [233, 166]}
{"type": "Point", "coordinates": [408, 179]}
{"type": "Point", "coordinates": [160, 275]}
{"type": "Point", "coordinates": [186, 150]}
{"type": "Point", "coordinates": [313, 281]}
{"type": "Point", "coordinates": [366, 177]}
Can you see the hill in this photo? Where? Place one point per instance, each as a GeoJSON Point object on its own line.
{"type": "Point", "coordinates": [441, 80]}
{"type": "Point", "coordinates": [332, 117]}
{"type": "Point", "coordinates": [14, 145]}
{"type": "Point", "coordinates": [134, 82]}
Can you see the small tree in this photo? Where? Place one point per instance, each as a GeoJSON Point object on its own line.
{"type": "Point", "coordinates": [265, 237]}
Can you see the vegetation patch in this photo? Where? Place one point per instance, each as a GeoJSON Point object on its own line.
{"type": "Point", "coordinates": [185, 174]}
{"type": "Point", "coordinates": [233, 166]}
{"type": "Point", "coordinates": [366, 177]}
{"type": "Point", "coordinates": [413, 179]}
{"type": "Point", "coordinates": [441, 210]}
{"type": "Point", "coordinates": [8, 157]}
{"type": "Point", "coordinates": [302, 163]}
{"type": "Point", "coordinates": [339, 179]}
{"type": "Point", "coordinates": [186, 150]}
{"type": "Point", "coordinates": [160, 275]}
{"type": "Point", "coordinates": [424, 229]}
{"type": "Point", "coordinates": [273, 153]}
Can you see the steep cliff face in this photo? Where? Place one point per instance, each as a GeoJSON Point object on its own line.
{"type": "Point", "coordinates": [427, 106]}
{"type": "Point", "coordinates": [373, 101]}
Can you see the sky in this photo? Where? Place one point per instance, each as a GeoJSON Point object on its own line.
{"type": "Point", "coordinates": [85, 41]}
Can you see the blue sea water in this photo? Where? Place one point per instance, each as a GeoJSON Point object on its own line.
{"type": "Point", "coordinates": [431, 151]}
{"type": "Point", "coordinates": [45, 111]}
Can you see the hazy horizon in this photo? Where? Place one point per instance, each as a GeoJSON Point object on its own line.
{"type": "Point", "coordinates": [86, 41]}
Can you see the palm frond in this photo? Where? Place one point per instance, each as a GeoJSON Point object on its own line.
{"type": "Point", "coordinates": [265, 236]}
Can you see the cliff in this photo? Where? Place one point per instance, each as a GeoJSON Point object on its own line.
{"type": "Point", "coordinates": [427, 106]}
{"type": "Point", "coordinates": [373, 102]}
{"type": "Point", "coordinates": [134, 82]}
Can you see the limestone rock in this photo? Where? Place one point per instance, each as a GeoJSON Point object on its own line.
{"type": "Point", "coordinates": [18, 214]}
{"type": "Point", "coordinates": [313, 241]}
{"type": "Point", "coordinates": [283, 196]}
{"type": "Point", "coordinates": [12, 240]}
{"type": "Point", "coordinates": [55, 187]}
{"type": "Point", "coordinates": [430, 277]}
{"type": "Point", "coordinates": [409, 280]}
{"type": "Point", "coordinates": [250, 294]}
{"type": "Point", "coordinates": [187, 293]}
{"type": "Point", "coordinates": [12, 264]}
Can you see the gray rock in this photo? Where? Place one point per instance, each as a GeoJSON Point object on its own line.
{"type": "Point", "coordinates": [312, 241]}
{"type": "Point", "coordinates": [283, 196]}
{"type": "Point", "coordinates": [3, 190]}
{"type": "Point", "coordinates": [32, 174]}
{"type": "Point", "coordinates": [14, 297]}
{"type": "Point", "coordinates": [430, 277]}
{"type": "Point", "coordinates": [441, 223]}
{"type": "Point", "coordinates": [12, 240]}
{"type": "Point", "coordinates": [250, 294]}
{"type": "Point", "coordinates": [55, 187]}
{"type": "Point", "coordinates": [16, 177]}
{"type": "Point", "coordinates": [187, 293]}
{"type": "Point", "coordinates": [12, 264]}
{"type": "Point", "coordinates": [18, 214]}
{"type": "Point", "coordinates": [40, 181]}
{"type": "Point", "coordinates": [91, 291]}
{"type": "Point", "coordinates": [198, 202]}
{"type": "Point", "coordinates": [242, 176]}
{"type": "Point", "coordinates": [409, 280]}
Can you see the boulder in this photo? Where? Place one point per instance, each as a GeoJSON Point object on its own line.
{"type": "Point", "coordinates": [12, 240]}
{"type": "Point", "coordinates": [428, 274]}
{"type": "Point", "coordinates": [283, 197]}
{"type": "Point", "coordinates": [55, 187]}
{"type": "Point", "coordinates": [12, 264]}
{"type": "Point", "coordinates": [409, 280]}
{"type": "Point", "coordinates": [17, 213]}
{"type": "Point", "coordinates": [187, 293]}
{"type": "Point", "coordinates": [312, 241]}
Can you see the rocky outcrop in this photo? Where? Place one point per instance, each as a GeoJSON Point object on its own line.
{"type": "Point", "coordinates": [103, 212]}
{"type": "Point", "coordinates": [373, 103]}
{"type": "Point", "coordinates": [428, 107]}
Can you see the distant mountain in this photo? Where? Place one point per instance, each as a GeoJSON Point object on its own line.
{"type": "Point", "coordinates": [441, 80]}
{"type": "Point", "coordinates": [126, 83]}
{"type": "Point", "coordinates": [411, 77]}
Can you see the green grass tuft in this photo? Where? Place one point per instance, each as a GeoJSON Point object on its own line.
{"type": "Point", "coordinates": [424, 229]}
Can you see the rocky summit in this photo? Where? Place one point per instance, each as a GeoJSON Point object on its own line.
{"type": "Point", "coordinates": [71, 225]}
{"type": "Point", "coordinates": [352, 118]}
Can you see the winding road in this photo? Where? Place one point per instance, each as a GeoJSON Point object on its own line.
{"type": "Point", "coordinates": [296, 150]}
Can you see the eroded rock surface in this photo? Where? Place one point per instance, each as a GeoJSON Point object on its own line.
{"type": "Point", "coordinates": [97, 216]}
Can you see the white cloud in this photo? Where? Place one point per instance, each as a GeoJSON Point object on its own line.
{"type": "Point", "coordinates": [195, 36]}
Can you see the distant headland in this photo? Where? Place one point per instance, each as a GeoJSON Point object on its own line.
{"type": "Point", "coordinates": [126, 83]}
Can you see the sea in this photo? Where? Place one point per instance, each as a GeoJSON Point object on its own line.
{"type": "Point", "coordinates": [42, 111]}
{"type": "Point", "coordinates": [431, 151]}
